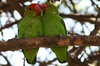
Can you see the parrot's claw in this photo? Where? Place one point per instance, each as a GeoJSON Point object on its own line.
{"type": "Point", "coordinates": [60, 35]}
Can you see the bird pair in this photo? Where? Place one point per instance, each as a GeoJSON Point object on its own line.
{"type": "Point", "coordinates": [42, 20]}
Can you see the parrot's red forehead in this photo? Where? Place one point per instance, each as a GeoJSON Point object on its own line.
{"type": "Point", "coordinates": [44, 5]}
{"type": "Point", "coordinates": [36, 8]}
{"type": "Point", "coordinates": [33, 5]}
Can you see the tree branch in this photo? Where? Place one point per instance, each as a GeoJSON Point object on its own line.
{"type": "Point", "coordinates": [73, 5]}
{"type": "Point", "coordinates": [93, 58]}
{"type": "Point", "coordinates": [8, 63]}
{"type": "Point", "coordinates": [93, 3]}
{"type": "Point", "coordinates": [9, 25]}
{"type": "Point", "coordinates": [81, 18]}
{"type": "Point", "coordinates": [25, 43]}
{"type": "Point", "coordinates": [16, 5]}
{"type": "Point", "coordinates": [76, 62]}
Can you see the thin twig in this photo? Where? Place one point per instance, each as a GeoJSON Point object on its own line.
{"type": "Point", "coordinates": [16, 5]}
{"type": "Point", "coordinates": [9, 25]}
{"type": "Point", "coordinates": [93, 3]}
{"type": "Point", "coordinates": [8, 63]}
{"type": "Point", "coordinates": [74, 9]}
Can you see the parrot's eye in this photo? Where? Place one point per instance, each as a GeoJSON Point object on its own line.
{"type": "Point", "coordinates": [50, 5]}
{"type": "Point", "coordinates": [30, 8]}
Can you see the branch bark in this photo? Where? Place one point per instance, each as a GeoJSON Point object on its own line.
{"type": "Point", "coordinates": [26, 43]}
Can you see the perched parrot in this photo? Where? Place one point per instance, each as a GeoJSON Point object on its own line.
{"type": "Point", "coordinates": [31, 26]}
{"type": "Point", "coordinates": [53, 25]}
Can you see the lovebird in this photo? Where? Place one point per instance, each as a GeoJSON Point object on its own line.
{"type": "Point", "coordinates": [31, 26]}
{"type": "Point", "coordinates": [53, 25]}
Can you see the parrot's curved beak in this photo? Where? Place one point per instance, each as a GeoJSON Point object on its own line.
{"type": "Point", "coordinates": [38, 10]}
{"type": "Point", "coordinates": [43, 8]}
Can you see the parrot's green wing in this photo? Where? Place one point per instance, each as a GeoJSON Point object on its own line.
{"type": "Point", "coordinates": [30, 26]}
{"type": "Point", "coordinates": [61, 52]}
{"type": "Point", "coordinates": [62, 21]}
{"type": "Point", "coordinates": [53, 25]}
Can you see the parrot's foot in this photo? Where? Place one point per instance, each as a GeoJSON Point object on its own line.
{"type": "Point", "coordinates": [60, 35]}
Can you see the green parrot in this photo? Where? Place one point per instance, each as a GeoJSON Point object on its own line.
{"type": "Point", "coordinates": [53, 25]}
{"type": "Point", "coordinates": [31, 26]}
